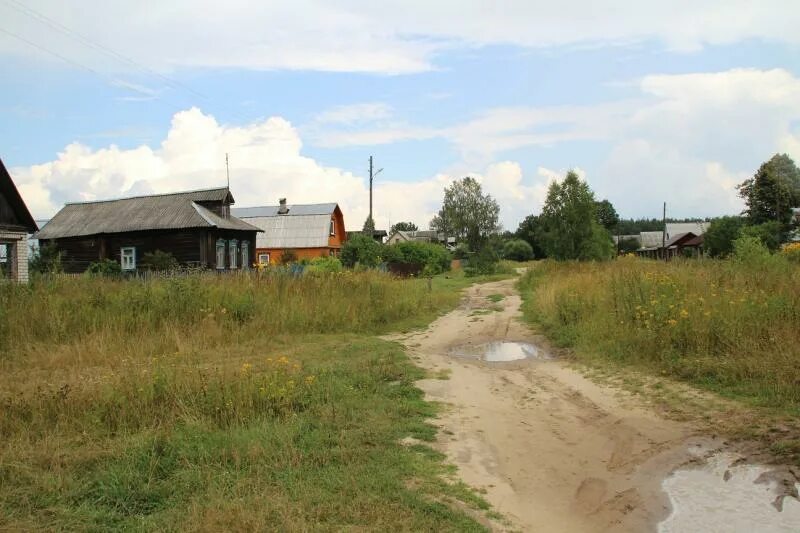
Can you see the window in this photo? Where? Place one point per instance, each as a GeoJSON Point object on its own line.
{"type": "Point", "coordinates": [128, 258]}
{"type": "Point", "coordinates": [220, 254]}
{"type": "Point", "coordinates": [245, 254]}
{"type": "Point", "coordinates": [263, 259]}
{"type": "Point", "coordinates": [333, 227]}
{"type": "Point", "coordinates": [232, 253]}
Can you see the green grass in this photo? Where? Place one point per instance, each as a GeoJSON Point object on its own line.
{"type": "Point", "coordinates": [495, 298]}
{"type": "Point", "coordinates": [180, 415]}
{"type": "Point", "coordinates": [730, 327]}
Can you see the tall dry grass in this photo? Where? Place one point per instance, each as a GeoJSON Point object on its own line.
{"type": "Point", "coordinates": [732, 326]}
{"type": "Point", "coordinates": [218, 404]}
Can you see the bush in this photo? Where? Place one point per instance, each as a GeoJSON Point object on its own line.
{"type": "Point", "coordinates": [461, 251]}
{"type": "Point", "coordinates": [288, 256]}
{"type": "Point", "coordinates": [718, 240]}
{"type": "Point", "coordinates": [517, 250]}
{"type": "Point", "coordinates": [792, 252]}
{"type": "Point", "coordinates": [104, 267]}
{"type": "Point", "coordinates": [324, 265]}
{"type": "Point", "coordinates": [159, 261]}
{"type": "Point", "coordinates": [628, 245]}
{"type": "Point", "coordinates": [484, 262]}
{"type": "Point", "coordinates": [433, 258]}
{"type": "Point", "coordinates": [750, 250]}
{"type": "Point", "coordinates": [47, 260]}
{"type": "Point", "coordinates": [363, 251]}
{"type": "Point", "coordinates": [769, 233]}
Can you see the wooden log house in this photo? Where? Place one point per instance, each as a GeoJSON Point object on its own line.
{"type": "Point", "coordinates": [196, 227]}
{"type": "Point", "coordinates": [16, 223]}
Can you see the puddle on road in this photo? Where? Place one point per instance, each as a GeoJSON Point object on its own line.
{"type": "Point", "coordinates": [721, 496]}
{"type": "Point", "coordinates": [501, 351]}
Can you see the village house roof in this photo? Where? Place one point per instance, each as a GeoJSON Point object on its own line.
{"type": "Point", "coordinates": [171, 211]}
{"type": "Point", "coordinates": [302, 226]}
{"type": "Point", "coordinates": [676, 228]}
{"type": "Point", "coordinates": [651, 239]}
{"type": "Point", "coordinates": [22, 218]}
{"type": "Point", "coordinates": [681, 239]}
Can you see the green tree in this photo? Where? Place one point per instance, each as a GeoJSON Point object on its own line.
{"type": "Point", "coordinates": [369, 226]}
{"type": "Point", "coordinates": [628, 245]}
{"type": "Point", "coordinates": [769, 233]}
{"type": "Point", "coordinates": [467, 213]}
{"type": "Point", "coordinates": [403, 226]}
{"type": "Point", "coordinates": [47, 260]}
{"type": "Point", "coordinates": [569, 217]}
{"type": "Point", "coordinates": [772, 191]}
{"type": "Point", "coordinates": [362, 250]}
{"type": "Point", "coordinates": [518, 250]}
{"type": "Point", "coordinates": [718, 239]}
{"type": "Point", "coordinates": [606, 214]}
{"type": "Point", "coordinates": [531, 230]}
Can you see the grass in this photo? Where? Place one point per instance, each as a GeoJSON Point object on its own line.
{"type": "Point", "coordinates": [495, 298]}
{"type": "Point", "coordinates": [221, 404]}
{"type": "Point", "coordinates": [730, 327]}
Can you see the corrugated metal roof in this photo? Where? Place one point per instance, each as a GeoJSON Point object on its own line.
{"type": "Point", "coordinates": [298, 231]}
{"type": "Point", "coordinates": [294, 210]}
{"type": "Point", "coordinates": [141, 213]}
{"type": "Point", "coordinates": [651, 239]}
{"type": "Point", "coordinates": [676, 228]}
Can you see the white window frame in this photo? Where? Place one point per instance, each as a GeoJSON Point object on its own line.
{"type": "Point", "coordinates": [233, 253]}
{"type": "Point", "coordinates": [245, 255]}
{"type": "Point", "coordinates": [261, 256]}
{"type": "Point", "coordinates": [333, 227]}
{"type": "Point", "coordinates": [127, 252]}
{"type": "Point", "coordinates": [220, 246]}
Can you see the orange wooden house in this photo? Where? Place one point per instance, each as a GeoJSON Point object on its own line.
{"type": "Point", "coordinates": [308, 231]}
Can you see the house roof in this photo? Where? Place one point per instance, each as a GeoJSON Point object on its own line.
{"type": "Point", "coordinates": [680, 239]}
{"type": "Point", "coordinates": [416, 235]}
{"type": "Point", "coordinates": [172, 211]}
{"type": "Point", "coordinates": [676, 228]}
{"type": "Point", "coordinates": [304, 226]}
{"type": "Point", "coordinates": [651, 239]}
{"type": "Point", "coordinates": [294, 210]}
{"type": "Point", "coordinates": [9, 191]}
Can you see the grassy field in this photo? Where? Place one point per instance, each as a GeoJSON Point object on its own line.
{"type": "Point", "coordinates": [731, 327]}
{"type": "Point", "coordinates": [237, 403]}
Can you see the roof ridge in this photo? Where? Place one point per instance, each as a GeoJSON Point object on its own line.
{"type": "Point", "coordinates": [177, 193]}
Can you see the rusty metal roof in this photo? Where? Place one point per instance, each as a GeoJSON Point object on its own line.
{"type": "Point", "coordinates": [181, 210]}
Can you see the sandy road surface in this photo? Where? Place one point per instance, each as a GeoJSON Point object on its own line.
{"type": "Point", "coordinates": [554, 451]}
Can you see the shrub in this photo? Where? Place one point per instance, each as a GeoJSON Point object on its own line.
{"type": "Point", "coordinates": [47, 260]}
{"type": "Point", "coordinates": [288, 256]}
{"type": "Point", "coordinates": [718, 240]}
{"type": "Point", "coordinates": [517, 250]}
{"type": "Point", "coordinates": [433, 258]}
{"type": "Point", "coordinates": [363, 251]}
{"type": "Point", "coordinates": [159, 261]}
{"type": "Point", "coordinates": [628, 245]}
{"type": "Point", "coordinates": [769, 233]}
{"type": "Point", "coordinates": [792, 252]}
{"type": "Point", "coordinates": [484, 262]}
{"type": "Point", "coordinates": [324, 265]}
{"type": "Point", "coordinates": [104, 267]}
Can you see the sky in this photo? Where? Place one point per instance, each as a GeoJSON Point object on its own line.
{"type": "Point", "coordinates": [650, 102]}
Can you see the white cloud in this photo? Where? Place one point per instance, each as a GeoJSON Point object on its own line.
{"type": "Point", "coordinates": [389, 37]}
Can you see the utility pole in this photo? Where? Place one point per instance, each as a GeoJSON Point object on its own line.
{"type": "Point", "coordinates": [371, 177]}
{"type": "Point", "coordinates": [227, 171]}
{"type": "Point", "coordinates": [664, 231]}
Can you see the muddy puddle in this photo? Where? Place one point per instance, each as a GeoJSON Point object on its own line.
{"type": "Point", "coordinates": [724, 495]}
{"type": "Point", "coordinates": [501, 351]}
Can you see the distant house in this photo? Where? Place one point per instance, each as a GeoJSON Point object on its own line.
{"type": "Point", "coordinates": [16, 223]}
{"type": "Point", "coordinates": [651, 239]}
{"type": "Point", "coordinates": [794, 236]}
{"type": "Point", "coordinates": [684, 244]}
{"type": "Point", "coordinates": [420, 236]}
{"type": "Point", "coordinates": [307, 231]}
{"type": "Point", "coordinates": [196, 227]}
{"type": "Point", "coordinates": [674, 229]}
{"type": "Point", "coordinates": [378, 235]}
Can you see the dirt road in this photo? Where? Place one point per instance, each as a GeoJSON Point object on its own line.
{"type": "Point", "coordinates": [553, 450]}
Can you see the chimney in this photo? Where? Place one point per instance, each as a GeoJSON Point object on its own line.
{"type": "Point", "coordinates": [283, 210]}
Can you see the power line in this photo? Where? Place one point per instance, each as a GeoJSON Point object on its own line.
{"type": "Point", "coordinates": [86, 41]}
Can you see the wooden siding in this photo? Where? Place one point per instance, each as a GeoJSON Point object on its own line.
{"type": "Point", "coordinates": [189, 247]}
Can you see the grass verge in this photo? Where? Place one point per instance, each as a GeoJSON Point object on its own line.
{"type": "Point", "coordinates": [728, 327]}
{"type": "Point", "coordinates": [230, 418]}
